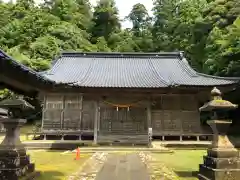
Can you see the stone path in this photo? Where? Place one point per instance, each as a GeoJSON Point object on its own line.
{"type": "Point", "coordinates": [123, 167]}
{"type": "Point", "coordinates": [90, 168]}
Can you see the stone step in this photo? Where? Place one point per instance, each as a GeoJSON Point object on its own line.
{"type": "Point", "coordinates": [127, 139]}
{"type": "Point", "coordinates": [219, 174]}
{"type": "Point", "coordinates": [222, 163]}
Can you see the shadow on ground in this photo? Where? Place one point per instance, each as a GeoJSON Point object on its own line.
{"type": "Point", "coordinates": [50, 175]}
{"type": "Point", "coordinates": [186, 174]}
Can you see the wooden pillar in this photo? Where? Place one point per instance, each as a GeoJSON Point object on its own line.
{"type": "Point", "coordinates": [81, 113]}
{"type": "Point", "coordinates": [98, 118]}
{"type": "Point", "coordinates": [149, 115]}
{"type": "Point", "coordinates": [43, 110]}
{"type": "Point", "coordinates": [62, 113]}
{"type": "Point", "coordinates": [96, 121]}
{"type": "Point", "coordinates": [149, 120]}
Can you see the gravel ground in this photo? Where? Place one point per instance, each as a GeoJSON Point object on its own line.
{"type": "Point", "coordinates": [156, 169]}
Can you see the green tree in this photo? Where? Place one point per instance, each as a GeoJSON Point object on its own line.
{"type": "Point", "coordinates": [140, 18]}
{"type": "Point", "coordinates": [102, 45]}
{"type": "Point", "coordinates": [105, 19]}
{"type": "Point", "coordinates": [217, 22]}
{"type": "Point", "coordinates": [141, 29]}
{"type": "Point", "coordinates": [123, 42]}
{"type": "Point", "coordinates": [22, 7]}
{"type": "Point", "coordinates": [165, 12]}
{"type": "Point", "coordinates": [225, 43]}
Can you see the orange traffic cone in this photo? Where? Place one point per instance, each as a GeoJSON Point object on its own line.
{"type": "Point", "coordinates": [77, 154]}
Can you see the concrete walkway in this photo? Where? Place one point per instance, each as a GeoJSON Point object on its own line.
{"type": "Point", "coordinates": [123, 167]}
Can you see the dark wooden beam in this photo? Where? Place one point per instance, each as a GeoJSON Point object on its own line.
{"type": "Point", "coordinates": [149, 115]}
{"type": "Point", "coordinates": [19, 90]}
{"type": "Point", "coordinates": [23, 77]}
{"type": "Point", "coordinates": [137, 91]}
{"type": "Point", "coordinates": [96, 119]}
{"type": "Point", "coordinates": [132, 91]}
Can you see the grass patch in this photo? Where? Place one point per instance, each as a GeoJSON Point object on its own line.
{"type": "Point", "coordinates": [56, 166]}
{"type": "Point", "coordinates": [184, 163]}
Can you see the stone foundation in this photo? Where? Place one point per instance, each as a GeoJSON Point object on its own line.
{"type": "Point", "coordinates": [220, 164]}
{"type": "Point", "coordinates": [14, 162]}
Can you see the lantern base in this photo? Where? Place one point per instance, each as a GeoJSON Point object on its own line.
{"type": "Point", "coordinates": [222, 161]}
{"type": "Point", "coordinates": [207, 173]}
{"type": "Point", "coordinates": [220, 165]}
{"type": "Point", "coordinates": [14, 162]}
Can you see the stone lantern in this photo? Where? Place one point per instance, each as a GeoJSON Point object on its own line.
{"type": "Point", "coordinates": [14, 162]}
{"type": "Point", "coordinates": [222, 161]}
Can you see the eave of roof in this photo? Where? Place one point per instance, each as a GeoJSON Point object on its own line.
{"type": "Point", "coordinates": [129, 70]}
{"type": "Point", "coordinates": [7, 61]}
{"type": "Point", "coordinates": [21, 67]}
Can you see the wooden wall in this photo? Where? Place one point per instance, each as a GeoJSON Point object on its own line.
{"type": "Point", "coordinates": [175, 114]}
{"type": "Point", "coordinates": [169, 114]}
{"type": "Point", "coordinates": [67, 112]}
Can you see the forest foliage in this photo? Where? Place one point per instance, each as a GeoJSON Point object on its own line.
{"type": "Point", "coordinates": [208, 31]}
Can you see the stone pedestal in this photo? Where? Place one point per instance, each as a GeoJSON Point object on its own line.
{"type": "Point", "coordinates": [14, 162]}
{"type": "Point", "coordinates": [222, 161]}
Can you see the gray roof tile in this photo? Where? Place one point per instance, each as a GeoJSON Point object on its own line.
{"type": "Point", "coordinates": [133, 70]}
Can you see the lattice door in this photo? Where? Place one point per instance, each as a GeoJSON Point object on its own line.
{"type": "Point", "coordinates": [123, 120]}
{"type": "Point", "coordinates": [138, 118]}
{"type": "Point", "coordinates": [107, 119]}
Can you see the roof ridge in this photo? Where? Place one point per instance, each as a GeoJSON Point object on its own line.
{"type": "Point", "coordinates": [120, 54]}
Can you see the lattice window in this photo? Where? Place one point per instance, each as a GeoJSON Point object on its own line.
{"type": "Point", "coordinates": [52, 118]}
{"type": "Point", "coordinates": [88, 114]}
{"type": "Point", "coordinates": [71, 119]}
{"type": "Point", "coordinates": [73, 102]}
{"type": "Point", "coordinates": [54, 102]}
{"type": "Point", "coordinates": [87, 121]}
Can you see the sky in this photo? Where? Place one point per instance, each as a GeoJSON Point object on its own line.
{"type": "Point", "coordinates": [124, 7]}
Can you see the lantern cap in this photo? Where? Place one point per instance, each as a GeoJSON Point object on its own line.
{"type": "Point", "coordinates": [217, 103]}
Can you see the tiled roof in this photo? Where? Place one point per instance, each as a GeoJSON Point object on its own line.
{"type": "Point", "coordinates": [129, 70]}
{"type": "Point", "coordinates": [4, 58]}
